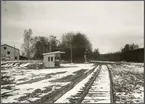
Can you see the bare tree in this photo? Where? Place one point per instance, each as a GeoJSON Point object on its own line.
{"type": "Point", "coordinates": [27, 42]}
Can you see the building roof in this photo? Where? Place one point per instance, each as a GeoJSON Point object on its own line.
{"type": "Point", "coordinates": [10, 46]}
{"type": "Point", "coordinates": [56, 52]}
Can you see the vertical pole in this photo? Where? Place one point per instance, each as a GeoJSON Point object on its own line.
{"type": "Point", "coordinates": [59, 59]}
{"type": "Point", "coordinates": [14, 52]}
{"type": "Point", "coordinates": [28, 55]}
{"type": "Point", "coordinates": [28, 50]}
{"type": "Point", "coordinates": [85, 56]}
{"type": "Point", "coordinates": [71, 52]}
{"type": "Point", "coordinates": [5, 55]}
{"type": "Point", "coordinates": [50, 46]}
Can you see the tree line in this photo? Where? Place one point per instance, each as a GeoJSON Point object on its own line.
{"type": "Point", "coordinates": [75, 46]}
{"type": "Point", "coordinates": [130, 52]}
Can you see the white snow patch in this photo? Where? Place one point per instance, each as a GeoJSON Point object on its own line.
{"type": "Point", "coordinates": [75, 90]}
{"type": "Point", "coordinates": [101, 85]}
{"type": "Point", "coordinates": [22, 75]}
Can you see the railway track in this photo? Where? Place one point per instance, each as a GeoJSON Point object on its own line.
{"type": "Point", "coordinates": [97, 90]}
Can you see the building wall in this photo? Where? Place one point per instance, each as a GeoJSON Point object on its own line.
{"type": "Point", "coordinates": [49, 63]}
{"type": "Point", "coordinates": [10, 52]}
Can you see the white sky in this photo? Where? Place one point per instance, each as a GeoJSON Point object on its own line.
{"type": "Point", "coordinates": [109, 25]}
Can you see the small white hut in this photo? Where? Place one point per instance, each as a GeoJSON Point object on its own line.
{"type": "Point", "coordinates": [52, 59]}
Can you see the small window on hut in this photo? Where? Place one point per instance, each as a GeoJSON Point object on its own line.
{"type": "Point", "coordinates": [51, 58]}
{"type": "Point", "coordinates": [48, 58]}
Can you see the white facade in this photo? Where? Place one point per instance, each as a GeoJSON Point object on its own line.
{"type": "Point", "coordinates": [9, 52]}
{"type": "Point", "coordinates": [52, 59]}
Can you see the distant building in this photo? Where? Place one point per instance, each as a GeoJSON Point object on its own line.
{"type": "Point", "coordinates": [52, 59]}
{"type": "Point", "coordinates": [9, 52]}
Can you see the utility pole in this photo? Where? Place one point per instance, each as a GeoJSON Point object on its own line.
{"type": "Point", "coordinates": [70, 44]}
{"type": "Point", "coordinates": [14, 52]}
{"type": "Point", "coordinates": [71, 51]}
{"type": "Point", "coordinates": [50, 46]}
{"type": "Point", "coordinates": [85, 56]}
{"type": "Point", "coordinates": [54, 37]}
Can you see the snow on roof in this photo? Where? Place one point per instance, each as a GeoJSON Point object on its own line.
{"type": "Point", "coordinates": [56, 52]}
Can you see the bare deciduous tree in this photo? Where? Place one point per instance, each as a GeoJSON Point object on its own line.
{"type": "Point", "coordinates": [27, 42]}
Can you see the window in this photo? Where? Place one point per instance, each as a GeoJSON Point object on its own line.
{"type": "Point", "coordinates": [8, 52]}
{"type": "Point", "coordinates": [51, 58]}
{"type": "Point", "coordinates": [5, 47]}
{"type": "Point", "coordinates": [16, 58]}
{"type": "Point", "coordinates": [48, 58]}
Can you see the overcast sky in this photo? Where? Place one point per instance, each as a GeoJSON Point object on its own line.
{"type": "Point", "coordinates": [109, 25]}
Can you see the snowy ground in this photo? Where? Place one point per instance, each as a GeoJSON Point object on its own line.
{"type": "Point", "coordinates": [98, 93]}
{"type": "Point", "coordinates": [128, 81]}
{"type": "Point", "coordinates": [100, 90]}
{"type": "Point", "coordinates": [24, 82]}
{"type": "Point", "coordinates": [66, 97]}
{"type": "Point", "coordinates": [20, 84]}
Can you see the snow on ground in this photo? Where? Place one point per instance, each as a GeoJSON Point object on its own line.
{"type": "Point", "coordinates": [22, 75]}
{"type": "Point", "coordinates": [23, 89]}
{"type": "Point", "coordinates": [136, 68]}
{"type": "Point", "coordinates": [30, 80]}
{"type": "Point", "coordinates": [128, 80]}
{"type": "Point", "coordinates": [132, 63]}
{"type": "Point", "coordinates": [104, 61]}
{"type": "Point", "coordinates": [75, 90]}
{"type": "Point", "coordinates": [100, 90]}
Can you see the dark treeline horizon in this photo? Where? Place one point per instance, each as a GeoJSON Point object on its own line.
{"type": "Point", "coordinates": [136, 55]}
{"type": "Point", "coordinates": [76, 46]}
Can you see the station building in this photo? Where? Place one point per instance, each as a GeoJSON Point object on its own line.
{"type": "Point", "coordinates": [9, 52]}
{"type": "Point", "coordinates": [52, 59]}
